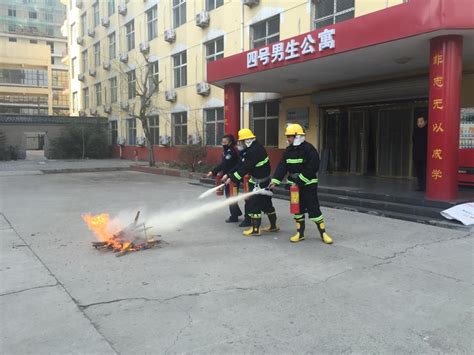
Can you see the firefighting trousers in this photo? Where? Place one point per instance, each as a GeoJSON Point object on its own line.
{"type": "Point", "coordinates": [309, 203]}
{"type": "Point", "coordinates": [234, 209]}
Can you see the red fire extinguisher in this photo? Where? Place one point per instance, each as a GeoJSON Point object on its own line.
{"type": "Point", "coordinates": [294, 199]}
{"type": "Point", "coordinates": [219, 192]}
{"type": "Point", "coordinates": [233, 190]}
{"type": "Point", "coordinates": [246, 183]}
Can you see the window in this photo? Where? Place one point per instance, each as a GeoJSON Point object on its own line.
{"type": "Point", "coordinates": [113, 132]}
{"type": "Point", "coordinates": [73, 32]}
{"type": "Point", "coordinates": [264, 122]}
{"type": "Point", "coordinates": [74, 101]}
{"type": "Point", "coordinates": [265, 32]}
{"type": "Point", "coordinates": [328, 12]}
{"type": "Point", "coordinates": [73, 67]}
{"type": "Point", "coordinates": [180, 128]}
{"type": "Point", "coordinates": [130, 34]}
{"type": "Point", "coordinates": [11, 39]}
{"type": "Point", "coordinates": [51, 46]}
{"type": "Point", "coordinates": [60, 98]}
{"type": "Point", "coordinates": [83, 24]}
{"type": "Point", "coordinates": [110, 7]}
{"type": "Point", "coordinates": [98, 94]}
{"type": "Point", "coordinates": [179, 69]}
{"type": "Point", "coordinates": [85, 98]}
{"type": "Point", "coordinates": [33, 14]}
{"type": "Point", "coordinates": [213, 4]}
{"type": "Point", "coordinates": [131, 131]}
{"type": "Point", "coordinates": [113, 89]}
{"type": "Point", "coordinates": [151, 22]}
{"type": "Point", "coordinates": [215, 49]}
{"type": "Point", "coordinates": [179, 12]}
{"type": "Point", "coordinates": [60, 78]}
{"type": "Point", "coordinates": [33, 41]}
{"type": "Point", "coordinates": [96, 14]}
{"type": "Point", "coordinates": [154, 124]}
{"type": "Point", "coordinates": [154, 78]}
{"type": "Point", "coordinates": [112, 46]}
{"type": "Point", "coordinates": [48, 16]}
{"type": "Point", "coordinates": [12, 11]}
{"type": "Point", "coordinates": [214, 121]}
{"type": "Point", "coordinates": [84, 61]}
{"type": "Point", "coordinates": [132, 82]}
{"type": "Point", "coordinates": [27, 77]}
{"type": "Point", "coordinates": [97, 54]}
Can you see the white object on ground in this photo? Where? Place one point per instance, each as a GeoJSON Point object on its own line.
{"type": "Point", "coordinates": [464, 213]}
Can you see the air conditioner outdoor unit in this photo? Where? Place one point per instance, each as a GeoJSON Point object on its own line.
{"type": "Point", "coordinates": [92, 72]}
{"type": "Point", "coordinates": [202, 19]}
{"type": "Point", "coordinates": [251, 3]}
{"type": "Point", "coordinates": [106, 64]}
{"type": "Point", "coordinates": [194, 138]}
{"type": "Point", "coordinates": [121, 141]}
{"type": "Point", "coordinates": [81, 77]}
{"type": "Point", "coordinates": [124, 57]}
{"type": "Point", "coordinates": [141, 141]}
{"type": "Point", "coordinates": [170, 35]}
{"type": "Point", "coordinates": [105, 21]}
{"type": "Point", "coordinates": [124, 105]}
{"type": "Point", "coordinates": [122, 9]}
{"type": "Point", "coordinates": [107, 108]}
{"type": "Point", "coordinates": [79, 4]}
{"type": "Point", "coordinates": [80, 40]}
{"type": "Point", "coordinates": [91, 32]}
{"type": "Point", "coordinates": [203, 88]}
{"type": "Point", "coordinates": [165, 140]}
{"type": "Point", "coordinates": [82, 113]}
{"type": "Point", "coordinates": [170, 95]}
{"type": "Point", "coordinates": [144, 47]}
{"type": "Point", "coordinates": [93, 112]}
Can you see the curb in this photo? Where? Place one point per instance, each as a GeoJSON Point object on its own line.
{"type": "Point", "coordinates": [166, 171]}
{"type": "Point", "coordinates": [83, 170]}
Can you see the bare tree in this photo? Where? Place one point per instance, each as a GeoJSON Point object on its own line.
{"type": "Point", "coordinates": [146, 85]}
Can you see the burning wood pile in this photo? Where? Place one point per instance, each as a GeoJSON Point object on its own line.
{"type": "Point", "coordinates": [120, 240]}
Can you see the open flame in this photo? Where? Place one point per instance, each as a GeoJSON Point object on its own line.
{"type": "Point", "coordinates": [113, 236]}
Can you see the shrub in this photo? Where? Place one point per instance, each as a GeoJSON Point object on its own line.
{"type": "Point", "coordinates": [190, 155]}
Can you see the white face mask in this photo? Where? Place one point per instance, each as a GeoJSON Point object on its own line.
{"type": "Point", "coordinates": [298, 140]}
{"type": "Point", "coordinates": [248, 142]}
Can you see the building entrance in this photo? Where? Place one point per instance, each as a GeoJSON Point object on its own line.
{"type": "Point", "coordinates": [371, 139]}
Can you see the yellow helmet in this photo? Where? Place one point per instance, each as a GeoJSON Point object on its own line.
{"type": "Point", "coordinates": [245, 133]}
{"type": "Point", "coordinates": [294, 129]}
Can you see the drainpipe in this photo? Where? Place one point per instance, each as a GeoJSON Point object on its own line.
{"type": "Point", "coordinates": [241, 50]}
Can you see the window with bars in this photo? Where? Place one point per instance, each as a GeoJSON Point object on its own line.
{"type": "Point", "coordinates": [215, 49]}
{"type": "Point", "coordinates": [84, 61]}
{"type": "Point", "coordinates": [154, 77]}
{"type": "Point", "coordinates": [98, 94]}
{"type": "Point", "coordinates": [264, 122]}
{"type": "Point", "coordinates": [59, 78]}
{"type": "Point", "coordinates": [213, 4]}
{"type": "Point", "coordinates": [152, 22]}
{"type": "Point", "coordinates": [97, 54]}
{"type": "Point", "coordinates": [83, 24]}
{"type": "Point", "coordinates": [96, 14]}
{"type": "Point", "coordinates": [154, 125]}
{"type": "Point", "coordinates": [179, 69]}
{"type": "Point", "coordinates": [110, 7]}
{"type": "Point", "coordinates": [85, 98]}
{"type": "Point", "coordinates": [329, 12]}
{"type": "Point", "coordinates": [60, 98]}
{"type": "Point", "coordinates": [113, 132]}
{"type": "Point", "coordinates": [112, 52]}
{"type": "Point", "coordinates": [265, 32]}
{"type": "Point", "coordinates": [132, 84]}
{"type": "Point", "coordinates": [113, 89]}
{"type": "Point", "coordinates": [179, 12]}
{"type": "Point", "coordinates": [214, 125]}
{"type": "Point", "coordinates": [180, 128]}
{"type": "Point", "coordinates": [131, 131]}
{"type": "Point", "coordinates": [130, 35]}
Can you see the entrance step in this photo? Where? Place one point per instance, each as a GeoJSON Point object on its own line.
{"type": "Point", "coordinates": [405, 208]}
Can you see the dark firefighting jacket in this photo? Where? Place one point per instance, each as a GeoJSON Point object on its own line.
{"type": "Point", "coordinates": [256, 163]}
{"type": "Point", "coordinates": [228, 162]}
{"type": "Point", "coordinates": [301, 162]}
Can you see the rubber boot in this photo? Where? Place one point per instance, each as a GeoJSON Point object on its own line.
{"type": "Point", "coordinates": [324, 235]}
{"type": "Point", "coordinates": [272, 217]}
{"type": "Point", "coordinates": [254, 229]}
{"type": "Point", "coordinates": [299, 236]}
{"type": "Point", "coordinates": [247, 222]}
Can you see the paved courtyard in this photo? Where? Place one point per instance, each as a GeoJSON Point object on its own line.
{"type": "Point", "coordinates": [385, 286]}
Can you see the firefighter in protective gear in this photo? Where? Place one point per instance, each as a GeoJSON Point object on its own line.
{"type": "Point", "coordinates": [257, 164]}
{"type": "Point", "coordinates": [301, 161]}
{"type": "Point", "coordinates": [228, 162]}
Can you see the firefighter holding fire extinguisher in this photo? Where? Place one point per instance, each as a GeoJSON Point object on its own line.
{"type": "Point", "coordinates": [301, 161]}
{"type": "Point", "coordinates": [256, 164]}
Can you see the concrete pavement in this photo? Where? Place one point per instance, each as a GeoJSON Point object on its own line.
{"type": "Point", "coordinates": [385, 286]}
